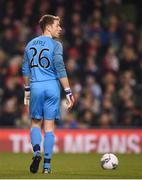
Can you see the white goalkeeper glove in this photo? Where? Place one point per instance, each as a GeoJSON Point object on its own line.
{"type": "Point", "coordinates": [27, 95]}
{"type": "Point", "coordinates": [70, 98]}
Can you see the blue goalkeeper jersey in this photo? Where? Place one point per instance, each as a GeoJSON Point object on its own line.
{"type": "Point", "coordinates": [43, 60]}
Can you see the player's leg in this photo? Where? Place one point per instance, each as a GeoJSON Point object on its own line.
{"type": "Point", "coordinates": [35, 135]}
{"type": "Point", "coordinates": [36, 109]}
{"type": "Point", "coordinates": [51, 112]}
{"type": "Point", "coordinates": [49, 141]}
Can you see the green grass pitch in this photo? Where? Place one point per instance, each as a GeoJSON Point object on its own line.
{"type": "Point", "coordinates": [71, 166]}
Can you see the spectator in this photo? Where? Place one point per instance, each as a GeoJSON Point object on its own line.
{"type": "Point", "coordinates": [103, 55]}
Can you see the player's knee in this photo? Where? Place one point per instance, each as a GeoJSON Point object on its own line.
{"type": "Point", "coordinates": [36, 123]}
{"type": "Point", "coordinates": [49, 126]}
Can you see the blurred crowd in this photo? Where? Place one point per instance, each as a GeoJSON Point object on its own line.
{"type": "Point", "coordinates": [102, 42]}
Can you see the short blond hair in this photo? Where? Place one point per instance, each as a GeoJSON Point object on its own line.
{"type": "Point", "coordinates": [47, 20]}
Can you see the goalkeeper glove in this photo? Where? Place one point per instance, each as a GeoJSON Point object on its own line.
{"type": "Point", "coordinates": [70, 98]}
{"type": "Point", "coordinates": [27, 95]}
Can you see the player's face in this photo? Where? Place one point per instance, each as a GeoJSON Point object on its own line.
{"type": "Point", "coordinates": [56, 29]}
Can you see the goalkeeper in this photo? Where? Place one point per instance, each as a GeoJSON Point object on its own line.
{"type": "Point", "coordinates": [43, 71]}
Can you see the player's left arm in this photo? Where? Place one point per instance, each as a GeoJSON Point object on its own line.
{"type": "Point", "coordinates": [26, 76]}
{"type": "Point", "coordinates": [62, 75]}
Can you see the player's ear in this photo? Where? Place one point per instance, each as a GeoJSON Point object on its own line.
{"type": "Point", "coordinates": [48, 27]}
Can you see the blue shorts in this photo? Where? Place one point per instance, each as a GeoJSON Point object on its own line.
{"type": "Point", "coordinates": [45, 100]}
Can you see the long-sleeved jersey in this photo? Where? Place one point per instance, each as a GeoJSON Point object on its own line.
{"type": "Point", "coordinates": [43, 60]}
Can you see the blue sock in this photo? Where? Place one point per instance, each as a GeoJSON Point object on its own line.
{"type": "Point", "coordinates": [49, 141]}
{"type": "Point", "coordinates": [36, 140]}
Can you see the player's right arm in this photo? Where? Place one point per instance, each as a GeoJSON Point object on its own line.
{"type": "Point", "coordinates": [26, 76]}
{"type": "Point", "coordinates": [62, 75]}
